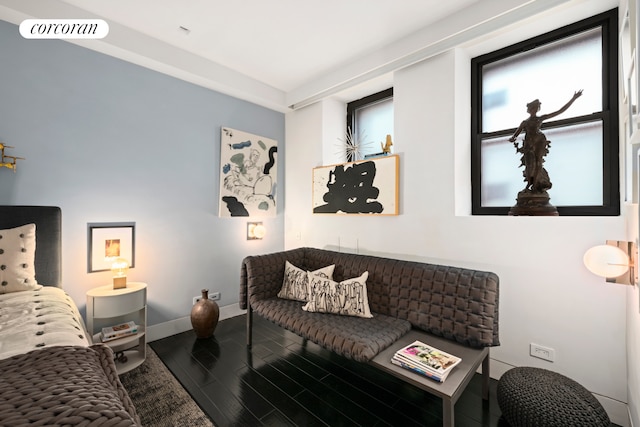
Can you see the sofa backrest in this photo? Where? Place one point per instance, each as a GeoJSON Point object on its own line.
{"type": "Point", "coordinates": [455, 303]}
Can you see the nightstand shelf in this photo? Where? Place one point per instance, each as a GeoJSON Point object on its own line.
{"type": "Point", "coordinates": [107, 307]}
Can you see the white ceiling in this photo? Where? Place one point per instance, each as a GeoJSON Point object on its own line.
{"type": "Point", "coordinates": [276, 52]}
{"type": "Point", "coordinates": [282, 43]}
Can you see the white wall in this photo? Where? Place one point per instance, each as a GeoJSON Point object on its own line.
{"type": "Point", "coordinates": [633, 330]}
{"type": "Point", "coordinates": [547, 296]}
{"type": "Point", "coordinates": [633, 354]}
{"type": "Point", "coordinates": [633, 294]}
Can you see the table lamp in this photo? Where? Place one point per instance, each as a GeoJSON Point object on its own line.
{"type": "Point", "coordinates": [119, 268]}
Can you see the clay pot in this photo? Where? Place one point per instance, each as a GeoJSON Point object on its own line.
{"type": "Point", "coordinates": [204, 316]}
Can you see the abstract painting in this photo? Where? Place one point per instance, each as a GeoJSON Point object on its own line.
{"type": "Point", "coordinates": [364, 187]}
{"type": "Point", "coordinates": [248, 174]}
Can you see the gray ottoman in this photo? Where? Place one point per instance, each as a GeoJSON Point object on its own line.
{"type": "Point", "coordinates": [534, 397]}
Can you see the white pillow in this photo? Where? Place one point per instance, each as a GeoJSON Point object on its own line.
{"type": "Point", "coordinates": [295, 284]}
{"type": "Point", "coordinates": [348, 297]}
{"type": "Point", "coordinates": [17, 258]}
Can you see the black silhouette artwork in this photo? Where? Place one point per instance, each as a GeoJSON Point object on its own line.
{"type": "Point", "coordinates": [534, 199]}
{"type": "Point", "coordinates": [351, 190]}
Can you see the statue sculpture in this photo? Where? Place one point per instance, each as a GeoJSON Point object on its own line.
{"type": "Point", "coordinates": [386, 147]}
{"type": "Point", "coordinates": [534, 199]}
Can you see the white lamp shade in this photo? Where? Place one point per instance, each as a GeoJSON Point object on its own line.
{"type": "Point", "coordinates": [255, 231]}
{"type": "Point", "coordinates": [606, 261]}
{"type": "Point", "coordinates": [259, 231]}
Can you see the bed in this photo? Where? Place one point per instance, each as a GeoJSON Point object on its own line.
{"type": "Point", "coordinates": [50, 372]}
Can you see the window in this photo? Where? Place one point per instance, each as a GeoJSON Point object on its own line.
{"type": "Point", "coordinates": [370, 120]}
{"type": "Point", "coordinates": [582, 161]}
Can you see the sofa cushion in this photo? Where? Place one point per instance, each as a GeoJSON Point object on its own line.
{"type": "Point", "coordinates": [295, 285]}
{"type": "Point", "coordinates": [348, 297]}
{"type": "Point", "coordinates": [356, 338]}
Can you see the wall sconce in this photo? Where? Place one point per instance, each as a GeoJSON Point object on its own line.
{"type": "Point", "coordinates": [7, 161]}
{"type": "Point", "coordinates": [120, 268]}
{"type": "Point", "coordinates": [615, 261]}
{"type": "Point", "coordinates": [255, 231]}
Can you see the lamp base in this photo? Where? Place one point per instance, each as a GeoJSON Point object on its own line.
{"type": "Point", "coordinates": [119, 282]}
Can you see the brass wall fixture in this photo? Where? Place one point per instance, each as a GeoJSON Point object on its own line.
{"type": "Point", "coordinates": [7, 161]}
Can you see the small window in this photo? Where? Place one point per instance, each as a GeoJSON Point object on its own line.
{"type": "Point", "coordinates": [582, 159]}
{"type": "Point", "coordinates": [369, 121]}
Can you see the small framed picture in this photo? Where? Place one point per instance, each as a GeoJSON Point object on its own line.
{"type": "Point", "coordinates": [107, 241]}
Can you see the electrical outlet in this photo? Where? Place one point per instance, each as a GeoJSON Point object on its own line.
{"type": "Point", "coordinates": [214, 296]}
{"type": "Point", "coordinates": [542, 352]}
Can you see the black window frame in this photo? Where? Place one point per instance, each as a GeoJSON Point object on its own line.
{"type": "Point", "coordinates": [354, 106]}
{"type": "Point", "coordinates": [609, 115]}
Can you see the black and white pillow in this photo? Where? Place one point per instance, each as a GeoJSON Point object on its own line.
{"type": "Point", "coordinates": [348, 297]}
{"type": "Point", "coordinates": [17, 259]}
{"type": "Point", "coordinates": [295, 283]}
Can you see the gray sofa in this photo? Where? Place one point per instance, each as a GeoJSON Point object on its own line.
{"type": "Point", "coordinates": [454, 303]}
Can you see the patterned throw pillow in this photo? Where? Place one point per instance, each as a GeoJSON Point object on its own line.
{"type": "Point", "coordinates": [295, 283]}
{"type": "Point", "coordinates": [348, 297]}
{"type": "Point", "coordinates": [17, 258]}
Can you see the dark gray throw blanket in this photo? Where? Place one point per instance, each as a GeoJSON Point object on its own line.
{"type": "Point", "coordinates": [64, 386]}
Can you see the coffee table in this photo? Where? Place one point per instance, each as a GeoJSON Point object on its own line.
{"type": "Point", "coordinates": [458, 379]}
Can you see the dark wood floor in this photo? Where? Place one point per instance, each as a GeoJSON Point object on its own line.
{"type": "Point", "coordinates": [285, 381]}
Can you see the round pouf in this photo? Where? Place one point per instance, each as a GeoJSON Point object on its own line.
{"type": "Point", "coordinates": [535, 397]}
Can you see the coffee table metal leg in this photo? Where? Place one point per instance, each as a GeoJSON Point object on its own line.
{"type": "Point", "coordinates": [249, 325]}
{"type": "Point", "coordinates": [485, 378]}
{"type": "Point", "coordinates": [447, 412]}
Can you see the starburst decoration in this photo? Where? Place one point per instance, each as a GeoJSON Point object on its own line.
{"type": "Point", "coordinates": [352, 145]}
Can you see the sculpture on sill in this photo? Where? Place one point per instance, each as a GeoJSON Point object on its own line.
{"type": "Point", "coordinates": [386, 147]}
{"type": "Point", "coordinates": [7, 161]}
{"type": "Point", "coordinates": [534, 199]}
{"type": "Point", "coordinates": [352, 145]}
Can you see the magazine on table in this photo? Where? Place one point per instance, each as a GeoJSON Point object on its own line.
{"type": "Point", "coordinates": [427, 360]}
{"type": "Point", "coordinates": [413, 367]}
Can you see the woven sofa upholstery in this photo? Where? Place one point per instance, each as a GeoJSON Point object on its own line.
{"type": "Point", "coordinates": [455, 303]}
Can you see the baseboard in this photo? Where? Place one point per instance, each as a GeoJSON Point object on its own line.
{"type": "Point", "coordinates": [497, 368]}
{"type": "Point", "coordinates": [618, 411]}
{"type": "Point", "coordinates": [176, 326]}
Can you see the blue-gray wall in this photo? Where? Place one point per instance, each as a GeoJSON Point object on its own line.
{"type": "Point", "coordinates": [110, 141]}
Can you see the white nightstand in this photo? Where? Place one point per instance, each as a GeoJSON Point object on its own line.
{"type": "Point", "coordinates": [107, 307]}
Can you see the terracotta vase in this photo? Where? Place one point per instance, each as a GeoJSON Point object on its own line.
{"type": "Point", "coordinates": [204, 316]}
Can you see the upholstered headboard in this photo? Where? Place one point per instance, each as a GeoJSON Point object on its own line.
{"type": "Point", "coordinates": [48, 221]}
